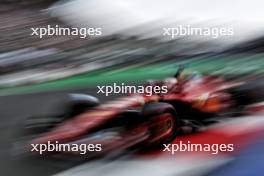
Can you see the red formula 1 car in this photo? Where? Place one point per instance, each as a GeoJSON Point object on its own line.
{"type": "Point", "coordinates": [137, 121]}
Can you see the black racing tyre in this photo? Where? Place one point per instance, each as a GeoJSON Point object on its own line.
{"type": "Point", "coordinates": [30, 127]}
{"type": "Point", "coordinates": [166, 115]}
{"type": "Point", "coordinates": [245, 95]}
{"type": "Point", "coordinates": [76, 104]}
{"type": "Point", "coordinates": [41, 124]}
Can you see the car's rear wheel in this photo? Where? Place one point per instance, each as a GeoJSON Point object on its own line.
{"type": "Point", "coordinates": [74, 105]}
{"type": "Point", "coordinates": [40, 124]}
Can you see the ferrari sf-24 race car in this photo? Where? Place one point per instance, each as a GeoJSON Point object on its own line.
{"type": "Point", "coordinates": [139, 121]}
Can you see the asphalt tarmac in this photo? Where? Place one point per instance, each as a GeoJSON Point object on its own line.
{"type": "Point", "coordinates": [13, 111]}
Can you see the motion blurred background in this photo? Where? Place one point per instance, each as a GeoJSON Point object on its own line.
{"type": "Point", "coordinates": [132, 48]}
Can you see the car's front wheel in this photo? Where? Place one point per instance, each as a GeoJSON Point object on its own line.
{"type": "Point", "coordinates": [163, 123]}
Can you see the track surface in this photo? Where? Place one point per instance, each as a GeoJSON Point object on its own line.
{"type": "Point", "coordinates": [13, 110]}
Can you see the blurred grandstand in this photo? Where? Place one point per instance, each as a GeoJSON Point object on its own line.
{"type": "Point", "coordinates": [25, 59]}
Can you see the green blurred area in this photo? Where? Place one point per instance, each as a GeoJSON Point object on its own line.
{"type": "Point", "coordinates": [221, 65]}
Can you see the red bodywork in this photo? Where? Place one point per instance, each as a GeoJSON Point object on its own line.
{"type": "Point", "coordinates": [206, 94]}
